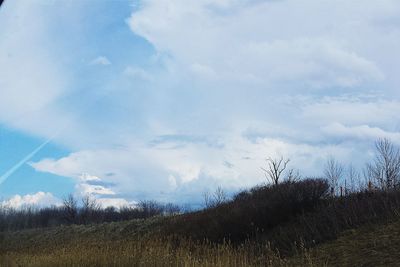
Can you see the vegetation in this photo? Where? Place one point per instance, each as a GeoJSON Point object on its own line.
{"type": "Point", "coordinates": [72, 213]}
{"type": "Point", "coordinates": [289, 222]}
{"type": "Point", "coordinates": [141, 252]}
{"type": "Point", "coordinates": [369, 245]}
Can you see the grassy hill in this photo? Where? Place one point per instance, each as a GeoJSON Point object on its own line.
{"type": "Point", "coordinates": [370, 245]}
{"type": "Point", "coordinates": [291, 224]}
{"type": "Point", "coordinates": [109, 245]}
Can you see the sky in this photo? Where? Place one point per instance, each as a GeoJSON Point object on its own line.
{"type": "Point", "coordinates": [166, 100]}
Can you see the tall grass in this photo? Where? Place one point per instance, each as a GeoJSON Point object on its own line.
{"type": "Point", "coordinates": [148, 252]}
{"type": "Point", "coordinates": [263, 226]}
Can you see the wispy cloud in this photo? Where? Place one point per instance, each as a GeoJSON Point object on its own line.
{"type": "Point", "coordinates": [137, 73]}
{"type": "Point", "coordinates": [101, 60]}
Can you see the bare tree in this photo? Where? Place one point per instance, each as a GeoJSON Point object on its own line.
{"type": "Point", "coordinates": [150, 208]}
{"type": "Point", "coordinates": [293, 175]}
{"type": "Point", "coordinates": [90, 209]}
{"type": "Point", "coordinates": [275, 168]}
{"type": "Point", "coordinates": [354, 178]}
{"type": "Point", "coordinates": [208, 201]}
{"type": "Point", "coordinates": [333, 171]}
{"type": "Point", "coordinates": [70, 206]}
{"type": "Point", "coordinates": [385, 168]}
{"type": "Point", "coordinates": [217, 198]}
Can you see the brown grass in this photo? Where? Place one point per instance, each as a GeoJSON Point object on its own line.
{"type": "Point", "coordinates": [370, 245]}
{"type": "Point", "coordinates": [129, 244]}
{"type": "Point", "coordinates": [179, 240]}
{"type": "Point", "coordinates": [143, 252]}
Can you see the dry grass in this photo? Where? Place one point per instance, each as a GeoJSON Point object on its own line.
{"type": "Point", "coordinates": [143, 252]}
{"type": "Point", "coordinates": [370, 245]}
{"type": "Point", "coordinates": [128, 244]}
{"type": "Point", "coordinates": [177, 240]}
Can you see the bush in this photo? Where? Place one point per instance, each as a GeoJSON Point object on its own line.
{"type": "Point", "coordinates": [333, 216]}
{"type": "Point", "coordinates": [252, 212]}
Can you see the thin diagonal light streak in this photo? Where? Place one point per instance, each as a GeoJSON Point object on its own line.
{"type": "Point", "coordinates": [13, 169]}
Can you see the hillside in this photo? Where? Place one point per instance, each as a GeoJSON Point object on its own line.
{"type": "Point", "coordinates": [290, 224]}
{"type": "Point", "coordinates": [370, 245]}
{"type": "Point", "coordinates": [110, 245]}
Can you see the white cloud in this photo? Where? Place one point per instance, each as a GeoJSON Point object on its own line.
{"type": "Point", "coordinates": [30, 78]}
{"type": "Point", "coordinates": [101, 60]}
{"type": "Point", "coordinates": [352, 111]}
{"type": "Point", "coordinates": [89, 189]}
{"type": "Point", "coordinates": [88, 178]}
{"type": "Point", "coordinates": [40, 199]}
{"type": "Point", "coordinates": [170, 173]}
{"type": "Point", "coordinates": [252, 78]}
{"type": "Point", "coordinates": [114, 202]}
{"type": "Point", "coordinates": [361, 132]}
{"type": "Point", "coordinates": [203, 70]}
{"type": "Point", "coordinates": [266, 40]}
{"type": "Point", "coordinates": [43, 200]}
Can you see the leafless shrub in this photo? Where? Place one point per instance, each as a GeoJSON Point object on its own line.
{"type": "Point", "coordinates": [214, 199]}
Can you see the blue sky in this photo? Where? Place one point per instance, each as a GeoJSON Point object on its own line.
{"type": "Point", "coordinates": [168, 99]}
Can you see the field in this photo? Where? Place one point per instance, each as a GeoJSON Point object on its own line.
{"type": "Point", "coordinates": [108, 245]}
{"type": "Point", "coordinates": [370, 245]}
{"type": "Point", "coordinates": [292, 224]}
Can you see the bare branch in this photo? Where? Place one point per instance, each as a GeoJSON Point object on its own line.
{"type": "Point", "coordinates": [275, 168]}
{"type": "Point", "coordinates": [385, 168]}
{"type": "Point", "coordinates": [333, 171]}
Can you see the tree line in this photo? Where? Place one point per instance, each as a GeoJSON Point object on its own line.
{"type": "Point", "coordinates": [79, 211]}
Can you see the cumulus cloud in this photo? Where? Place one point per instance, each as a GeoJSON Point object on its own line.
{"type": "Point", "coordinates": [40, 199]}
{"type": "Point", "coordinates": [89, 189]}
{"type": "Point", "coordinates": [264, 41]}
{"type": "Point", "coordinates": [196, 167]}
{"type": "Point", "coordinates": [226, 84]}
{"type": "Point", "coordinates": [115, 202]}
{"type": "Point", "coordinates": [43, 200]}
